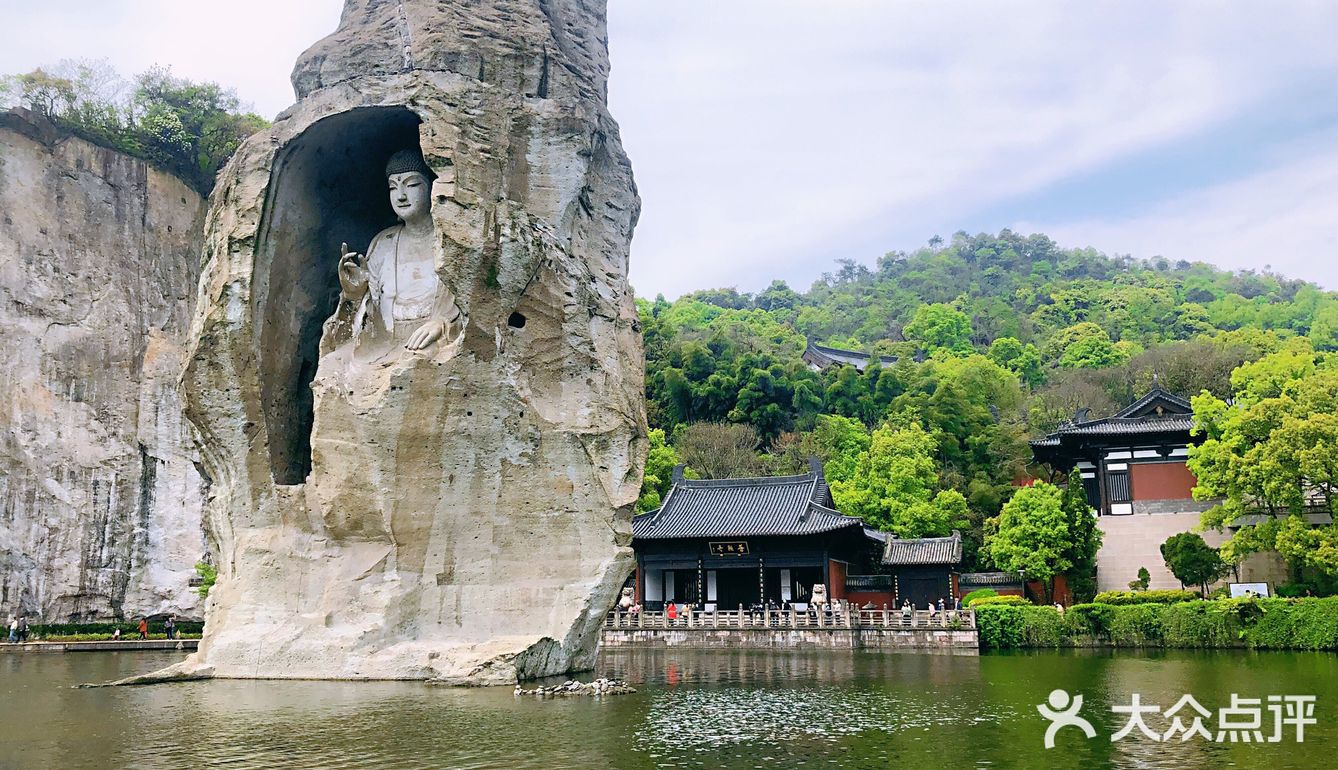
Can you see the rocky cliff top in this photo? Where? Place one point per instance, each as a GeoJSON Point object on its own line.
{"type": "Point", "coordinates": [538, 48]}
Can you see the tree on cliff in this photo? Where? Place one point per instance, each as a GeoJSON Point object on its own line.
{"type": "Point", "coordinates": [189, 129]}
{"type": "Point", "coordinates": [660, 462]}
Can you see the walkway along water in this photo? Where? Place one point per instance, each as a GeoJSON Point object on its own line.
{"type": "Point", "coordinates": [186, 645]}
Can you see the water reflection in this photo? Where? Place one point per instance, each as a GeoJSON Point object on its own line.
{"type": "Point", "coordinates": [693, 709]}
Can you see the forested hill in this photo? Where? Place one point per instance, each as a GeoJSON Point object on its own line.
{"type": "Point", "coordinates": [998, 338]}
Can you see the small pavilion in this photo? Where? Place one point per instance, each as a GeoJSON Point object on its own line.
{"type": "Point", "coordinates": [726, 543]}
{"type": "Point", "coordinates": [924, 569]}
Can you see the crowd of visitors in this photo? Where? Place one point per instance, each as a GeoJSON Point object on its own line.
{"type": "Point", "coordinates": [18, 629]}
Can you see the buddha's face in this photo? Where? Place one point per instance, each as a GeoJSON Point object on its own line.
{"type": "Point", "coordinates": [410, 195]}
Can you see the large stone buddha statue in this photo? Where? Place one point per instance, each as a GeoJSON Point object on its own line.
{"type": "Point", "coordinates": [393, 301]}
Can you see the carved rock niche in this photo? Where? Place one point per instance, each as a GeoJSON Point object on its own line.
{"type": "Point", "coordinates": [462, 513]}
{"type": "Point", "coordinates": [327, 189]}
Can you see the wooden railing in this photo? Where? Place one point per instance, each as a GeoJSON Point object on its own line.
{"type": "Point", "coordinates": [835, 617]}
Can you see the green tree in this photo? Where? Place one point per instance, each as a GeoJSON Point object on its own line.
{"type": "Point", "coordinates": [778, 296]}
{"type": "Point", "coordinates": [660, 463]}
{"type": "Point", "coordinates": [894, 486]}
{"type": "Point", "coordinates": [1084, 539]}
{"type": "Point", "coordinates": [840, 442]}
{"type": "Point", "coordinates": [189, 129]}
{"type": "Point", "coordinates": [939, 326]}
{"type": "Point", "coordinates": [1273, 450]}
{"type": "Point", "coordinates": [975, 408]}
{"type": "Point", "coordinates": [1193, 561]}
{"type": "Point", "coordinates": [1087, 346]}
{"type": "Point", "coordinates": [1022, 360]}
{"type": "Point", "coordinates": [1141, 582]}
{"type": "Point", "coordinates": [719, 450]}
{"type": "Point", "coordinates": [1307, 547]}
{"type": "Point", "coordinates": [43, 92]}
{"type": "Point", "coordinates": [208, 576]}
{"type": "Point", "coordinates": [1032, 534]}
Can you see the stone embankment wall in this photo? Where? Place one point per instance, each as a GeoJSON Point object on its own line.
{"type": "Point", "coordinates": [948, 640]}
{"type": "Point", "coordinates": [100, 500]}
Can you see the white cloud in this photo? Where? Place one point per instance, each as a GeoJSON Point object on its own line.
{"type": "Point", "coordinates": [249, 45]}
{"type": "Point", "coordinates": [1285, 217]}
{"type": "Point", "coordinates": [769, 136]}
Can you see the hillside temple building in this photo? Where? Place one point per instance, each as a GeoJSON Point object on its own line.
{"type": "Point", "coordinates": [1133, 469]}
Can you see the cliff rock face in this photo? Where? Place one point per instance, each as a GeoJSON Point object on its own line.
{"type": "Point", "coordinates": [100, 501]}
{"type": "Point", "coordinates": [461, 514]}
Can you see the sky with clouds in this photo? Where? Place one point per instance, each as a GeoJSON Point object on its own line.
{"type": "Point", "coordinates": [772, 137]}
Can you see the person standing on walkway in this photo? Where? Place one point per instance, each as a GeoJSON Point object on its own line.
{"type": "Point", "coordinates": [143, 628]}
{"type": "Point", "coordinates": [171, 625]}
{"type": "Point", "coordinates": [23, 628]}
{"type": "Point", "coordinates": [13, 629]}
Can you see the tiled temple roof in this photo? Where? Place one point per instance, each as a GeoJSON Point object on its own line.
{"type": "Point", "coordinates": [752, 507]}
{"type": "Point", "coordinates": [1157, 402]}
{"type": "Point", "coordinates": [1125, 426]}
{"type": "Point", "coordinates": [1156, 413]}
{"type": "Point", "coordinates": [822, 357]}
{"type": "Point", "coordinates": [989, 579]}
{"type": "Point", "coordinates": [924, 550]}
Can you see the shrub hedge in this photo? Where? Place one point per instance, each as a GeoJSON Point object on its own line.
{"type": "Point", "coordinates": [129, 630]}
{"type": "Point", "coordinates": [1279, 624]}
{"type": "Point", "coordinates": [979, 593]}
{"type": "Point", "coordinates": [108, 637]}
{"type": "Point", "coordinates": [1144, 597]}
{"type": "Point", "coordinates": [996, 599]}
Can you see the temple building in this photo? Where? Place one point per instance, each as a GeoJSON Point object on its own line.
{"type": "Point", "coordinates": [1133, 470]}
{"type": "Point", "coordinates": [924, 569]}
{"type": "Point", "coordinates": [726, 543]}
{"type": "Point", "coordinates": [819, 357]}
{"type": "Point", "coordinates": [1133, 462]}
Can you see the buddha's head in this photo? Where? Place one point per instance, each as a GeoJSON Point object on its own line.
{"type": "Point", "coordinates": [410, 182]}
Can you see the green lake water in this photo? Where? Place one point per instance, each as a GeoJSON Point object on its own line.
{"type": "Point", "coordinates": [693, 709]}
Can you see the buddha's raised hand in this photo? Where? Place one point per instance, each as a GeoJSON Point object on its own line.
{"type": "Point", "coordinates": [352, 275]}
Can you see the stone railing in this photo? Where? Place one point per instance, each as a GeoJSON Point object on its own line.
{"type": "Point", "coordinates": [835, 617]}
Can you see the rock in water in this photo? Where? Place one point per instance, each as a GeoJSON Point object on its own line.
{"type": "Point", "coordinates": [461, 512]}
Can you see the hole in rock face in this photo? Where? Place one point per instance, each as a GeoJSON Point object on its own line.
{"type": "Point", "coordinates": [327, 187]}
{"type": "Point", "coordinates": [516, 321]}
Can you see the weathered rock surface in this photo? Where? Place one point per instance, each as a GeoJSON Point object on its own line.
{"type": "Point", "coordinates": [465, 515]}
{"type": "Point", "coordinates": [100, 502]}
{"type": "Point", "coordinates": [574, 689]}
